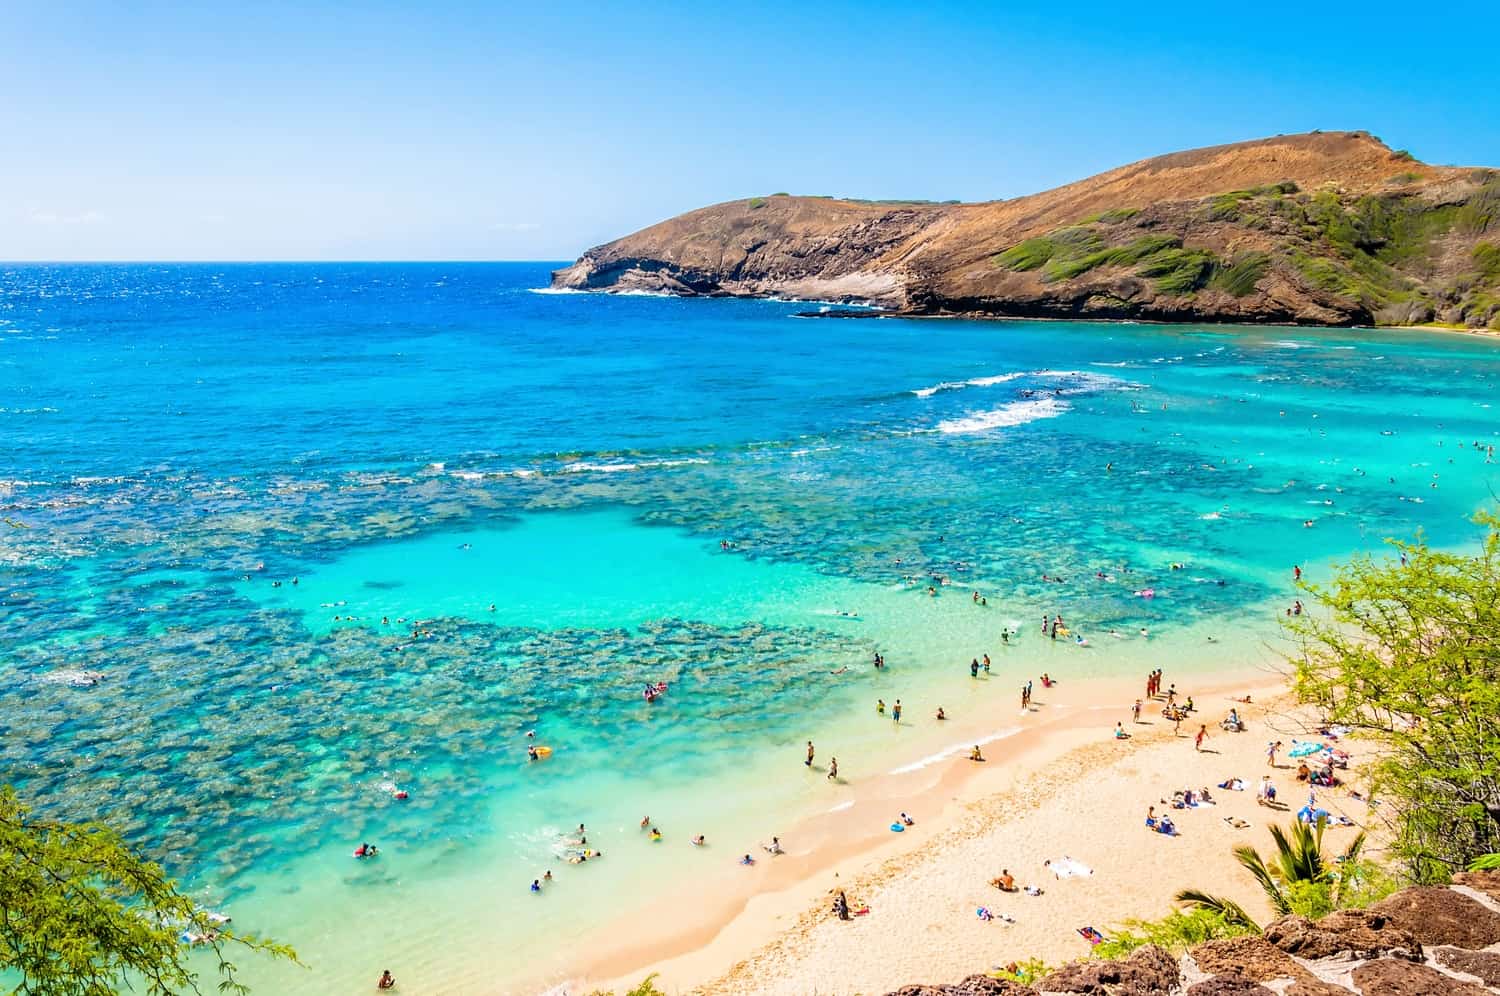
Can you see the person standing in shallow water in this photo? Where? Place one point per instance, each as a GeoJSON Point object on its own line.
{"type": "Point", "coordinates": [809, 760]}
{"type": "Point", "coordinates": [833, 769]}
{"type": "Point", "coordinates": [896, 711]}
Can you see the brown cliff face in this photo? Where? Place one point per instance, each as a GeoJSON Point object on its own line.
{"type": "Point", "coordinates": [1325, 228]}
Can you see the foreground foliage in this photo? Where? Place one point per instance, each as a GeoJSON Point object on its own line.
{"type": "Point", "coordinates": [1177, 932]}
{"type": "Point", "coordinates": [82, 915]}
{"type": "Point", "coordinates": [1409, 656]}
{"type": "Point", "coordinates": [1297, 879]}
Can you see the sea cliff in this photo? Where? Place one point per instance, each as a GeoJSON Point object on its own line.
{"type": "Point", "coordinates": [1326, 228]}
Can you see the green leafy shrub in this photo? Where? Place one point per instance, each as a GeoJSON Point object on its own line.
{"type": "Point", "coordinates": [1409, 656]}
{"type": "Point", "coordinates": [1028, 255]}
{"type": "Point", "coordinates": [1178, 271]}
{"type": "Point", "coordinates": [1240, 275]}
{"type": "Point", "coordinates": [756, 202]}
{"type": "Point", "coordinates": [1487, 257]}
{"type": "Point", "coordinates": [1026, 972]}
{"type": "Point", "coordinates": [1127, 255]}
{"type": "Point", "coordinates": [1177, 932]}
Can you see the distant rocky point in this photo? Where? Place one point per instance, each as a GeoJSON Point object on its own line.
{"type": "Point", "coordinates": [1327, 228]}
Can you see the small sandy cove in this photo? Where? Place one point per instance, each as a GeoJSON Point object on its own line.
{"type": "Point", "coordinates": [1062, 788]}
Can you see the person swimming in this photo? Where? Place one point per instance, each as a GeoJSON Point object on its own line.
{"type": "Point", "coordinates": [940, 714]}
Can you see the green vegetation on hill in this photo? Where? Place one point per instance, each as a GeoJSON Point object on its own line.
{"type": "Point", "coordinates": [1072, 252]}
{"type": "Point", "coordinates": [1377, 252]}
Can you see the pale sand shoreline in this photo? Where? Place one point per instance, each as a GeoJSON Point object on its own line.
{"type": "Point", "coordinates": [768, 930]}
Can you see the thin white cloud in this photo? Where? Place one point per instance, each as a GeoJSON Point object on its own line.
{"type": "Point", "coordinates": [54, 218]}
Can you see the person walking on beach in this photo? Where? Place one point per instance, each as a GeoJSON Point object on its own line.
{"type": "Point", "coordinates": [986, 663]}
{"type": "Point", "coordinates": [974, 668]}
{"type": "Point", "coordinates": [896, 711]}
{"type": "Point", "coordinates": [1271, 750]}
{"type": "Point", "coordinates": [808, 762]}
{"type": "Point", "coordinates": [1202, 736]}
{"type": "Point", "coordinates": [1136, 712]}
{"type": "Point", "coordinates": [833, 769]}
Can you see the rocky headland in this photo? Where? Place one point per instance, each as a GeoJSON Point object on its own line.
{"type": "Point", "coordinates": [1326, 228]}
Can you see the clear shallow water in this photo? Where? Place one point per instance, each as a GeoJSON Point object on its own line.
{"type": "Point", "coordinates": [420, 442]}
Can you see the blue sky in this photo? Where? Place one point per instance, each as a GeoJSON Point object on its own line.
{"type": "Point", "coordinates": [374, 131]}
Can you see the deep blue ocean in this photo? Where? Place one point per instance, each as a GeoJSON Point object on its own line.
{"type": "Point", "coordinates": [280, 539]}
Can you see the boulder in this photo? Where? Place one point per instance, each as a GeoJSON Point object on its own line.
{"type": "Point", "coordinates": [1437, 916]}
{"type": "Point", "coordinates": [984, 985]}
{"type": "Point", "coordinates": [1480, 964]}
{"type": "Point", "coordinates": [1149, 971]}
{"type": "Point", "coordinates": [1364, 933]}
{"type": "Point", "coordinates": [1315, 987]}
{"type": "Point", "coordinates": [1392, 977]}
{"type": "Point", "coordinates": [1229, 984]}
{"type": "Point", "coordinates": [974, 985]}
{"type": "Point", "coordinates": [1487, 882]}
{"type": "Point", "coordinates": [1253, 957]}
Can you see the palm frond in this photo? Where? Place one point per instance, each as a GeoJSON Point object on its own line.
{"type": "Point", "coordinates": [1232, 912]}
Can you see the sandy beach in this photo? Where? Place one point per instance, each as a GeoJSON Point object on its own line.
{"type": "Point", "coordinates": [1062, 788]}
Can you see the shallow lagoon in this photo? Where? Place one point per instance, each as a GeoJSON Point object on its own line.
{"type": "Point", "coordinates": [423, 441]}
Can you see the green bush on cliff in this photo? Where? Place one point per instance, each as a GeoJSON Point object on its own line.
{"type": "Point", "coordinates": [1126, 255]}
{"type": "Point", "coordinates": [1028, 255]}
{"type": "Point", "coordinates": [1179, 271]}
{"type": "Point", "coordinates": [755, 202]}
{"type": "Point", "coordinates": [1240, 275]}
{"type": "Point", "coordinates": [1487, 258]}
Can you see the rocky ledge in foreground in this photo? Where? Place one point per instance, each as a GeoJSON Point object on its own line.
{"type": "Point", "coordinates": [1419, 942]}
{"type": "Point", "coordinates": [1326, 228]}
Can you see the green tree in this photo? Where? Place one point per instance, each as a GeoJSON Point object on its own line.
{"type": "Point", "coordinates": [82, 915]}
{"type": "Point", "coordinates": [1408, 655]}
{"type": "Point", "coordinates": [1297, 879]}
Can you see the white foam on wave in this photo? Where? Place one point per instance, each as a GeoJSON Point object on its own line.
{"type": "Point", "coordinates": [555, 290]}
{"type": "Point", "coordinates": [956, 385]}
{"type": "Point", "coordinates": [953, 750]}
{"type": "Point", "coordinates": [586, 466]}
{"type": "Point", "coordinates": [1013, 414]}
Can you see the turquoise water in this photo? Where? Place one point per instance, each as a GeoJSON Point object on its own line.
{"type": "Point", "coordinates": [715, 494]}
